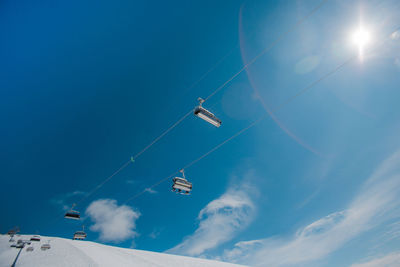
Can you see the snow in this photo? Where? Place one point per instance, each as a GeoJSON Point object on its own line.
{"type": "Point", "coordinates": [65, 252]}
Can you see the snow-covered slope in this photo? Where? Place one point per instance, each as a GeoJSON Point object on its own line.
{"type": "Point", "coordinates": [65, 252]}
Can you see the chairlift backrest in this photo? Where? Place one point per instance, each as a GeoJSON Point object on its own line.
{"type": "Point", "coordinates": [182, 180]}
{"type": "Point", "coordinates": [72, 214]}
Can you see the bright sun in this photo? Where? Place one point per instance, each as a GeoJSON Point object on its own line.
{"type": "Point", "coordinates": [361, 38]}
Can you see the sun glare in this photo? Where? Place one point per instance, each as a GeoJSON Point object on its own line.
{"type": "Point", "coordinates": [361, 38]}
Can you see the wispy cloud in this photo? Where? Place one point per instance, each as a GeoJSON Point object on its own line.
{"type": "Point", "coordinates": [392, 259]}
{"type": "Point", "coordinates": [114, 223]}
{"type": "Point", "coordinates": [219, 222]}
{"type": "Point", "coordinates": [373, 205]}
{"type": "Point", "coordinates": [395, 35]}
{"type": "Point", "coordinates": [156, 232]}
{"type": "Point", "coordinates": [150, 190]}
{"type": "Point", "coordinates": [392, 233]}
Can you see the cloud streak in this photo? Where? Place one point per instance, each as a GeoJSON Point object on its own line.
{"type": "Point", "coordinates": [374, 204]}
{"type": "Point", "coordinates": [392, 259]}
{"type": "Point", "coordinates": [150, 190]}
{"type": "Point", "coordinates": [220, 220]}
{"type": "Point", "coordinates": [114, 223]}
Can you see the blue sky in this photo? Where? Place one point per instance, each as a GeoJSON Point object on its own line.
{"type": "Point", "coordinates": [87, 84]}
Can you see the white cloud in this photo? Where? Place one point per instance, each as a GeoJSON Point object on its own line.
{"type": "Point", "coordinates": [114, 223]}
{"type": "Point", "coordinates": [375, 203]}
{"type": "Point", "coordinates": [220, 221]}
{"type": "Point", "coordinates": [392, 259]}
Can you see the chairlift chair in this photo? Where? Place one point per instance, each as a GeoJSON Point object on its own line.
{"type": "Point", "coordinates": [181, 185]}
{"type": "Point", "coordinates": [21, 243]}
{"type": "Point", "coordinates": [45, 246]}
{"type": "Point", "coordinates": [80, 235]}
{"type": "Point", "coordinates": [13, 231]}
{"type": "Point", "coordinates": [206, 115]}
{"type": "Point", "coordinates": [72, 214]}
{"type": "Point", "coordinates": [35, 238]}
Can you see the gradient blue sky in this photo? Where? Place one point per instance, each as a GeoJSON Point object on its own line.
{"type": "Point", "coordinates": [87, 84]}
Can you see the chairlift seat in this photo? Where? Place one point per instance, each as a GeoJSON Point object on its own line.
{"type": "Point", "coordinates": [181, 185]}
{"type": "Point", "coordinates": [206, 115]}
{"type": "Point", "coordinates": [35, 238]}
{"type": "Point", "coordinates": [72, 214]}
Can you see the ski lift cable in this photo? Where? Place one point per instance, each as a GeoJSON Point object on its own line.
{"type": "Point", "coordinates": [301, 21]}
{"type": "Point", "coordinates": [103, 182]}
{"type": "Point", "coordinates": [208, 97]}
{"type": "Point", "coordinates": [279, 107]}
{"type": "Point", "coordinates": [251, 125]}
{"type": "Point", "coordinates": [211, 69]}
{"type": "Point", "coordinates": [305, 89]}
{"type": "Point", "coordinates": [280, 37]}
{"type": "Point", "coordinates": [162, 135]}
{"type": "Point", "coordinates": [290, 99]}
{"type": "Point", "coordinates": [62, 215]}
{"type": "Point", "coordinates": [268, 48]}
{"type": "Point", "coordinates": [241, 131]}
{"type": "Point", "coordinates": [133, 158]}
